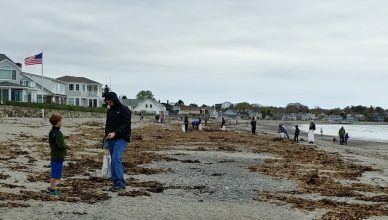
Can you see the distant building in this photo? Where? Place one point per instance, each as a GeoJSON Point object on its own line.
{"type": "Point", "coordinates": [290, 117]}
{"type": "Point", "coordinates": [378, 118]}
{"type": "Point", "coordinates": [193, 111]}
{"type": "Point", "coordinates": [230, 113]}
{"type": "Point", "coordinates": [150, 106]}
{"type": "Point", "coordinates": [131, 103]}
{"type": "Point", "coordinates": [82, 91]}
{"type": "Point", "coordinates": [308, 117]}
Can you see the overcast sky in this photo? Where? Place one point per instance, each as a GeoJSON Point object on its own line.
{"type": "Point", "coordinates": [331, 53]}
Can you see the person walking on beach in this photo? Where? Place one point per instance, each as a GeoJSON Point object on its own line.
{"type": "Point", "coordinates": [161, 117]}
{"type": "Point", "coordinates": [321, 132]}
{"type": "Point", "coordinates": [58, 153]}
{"type": "Point", "coordinates": [311, 133]}
{"type": "Point", "coordinates": [296, 135]}
{"type": "Point", "coordinates": [186, 123]}
{"type": "Point", "coordinates": [118, 133]}
{"type": "Point", "coordinates": [253, 123]}
{"type": "Point", "coordinates": [341, 134]}
{"type": "Point", "coordinates": [283, 132]}
{"type": "Point", "coordinates": [223, 122]}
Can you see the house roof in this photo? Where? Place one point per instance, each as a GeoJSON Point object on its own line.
{"type": "Point", "coordinates": [28, 75]}
{"type": "Point", "coordinates": [4, 57]}
{"type": "Point", "coordinates": [154, 101]}
{"type": "Point", "coordinates": [130, 102]}
{"type": "Point", "coordinates": [9, 84]}
{"type": "Point", "coordinates": [76, 79]}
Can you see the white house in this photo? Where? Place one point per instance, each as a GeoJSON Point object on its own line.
{"type": "Point", "coordinates": [11, 88]}
{"type": "Point", "coordinates": [54, 91]}
{"type": "Point", "coordinates": [82, 91]}
{"type": "Point", "coordinates": [131, 103]}
{"type": "Point", "coordinates": [150, 106]}
{"type": "Point", "coordinates": [308, 116]}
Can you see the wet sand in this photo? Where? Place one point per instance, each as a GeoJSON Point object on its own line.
{"type": "Point", "coordinates": [196, 175]}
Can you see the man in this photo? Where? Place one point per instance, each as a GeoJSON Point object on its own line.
{"type": "Point", "coordinates": [118, 133]}
{"type": "Point", "coordinates": [253, 124]}
{"type": "Point", "coordinates": [186, 123]}
{"type": "Point", "coordinates": [296, 135]}
{"type": "Point", "coordinates": [341, 134]}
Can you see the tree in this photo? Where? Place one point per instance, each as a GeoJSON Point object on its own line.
{"type": "Point", "coordinates": [218, 107]}
{"type": "Point", "coordinates": [145, 94]}
{"type": "Point", "coordinates": [296, 107]}
{"type": "Point", "coordinates": [124, 97]}
{"type": "Point", "coordinates": [105, 90]}
{"type": "Point", "coordinates": [204, 106]}
{"type": "Point", "coordinates": [242, 106]}
{"type": "Point", "coordinates": [193, 105]}
{"type": "Point", "coordinates": [180, 102]}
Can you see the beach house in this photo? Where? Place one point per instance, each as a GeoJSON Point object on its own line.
{"type": "Point", "coordinates": [194, 111]}
{"type": "Point", "coordinates": [11, 86]}
{"type": "Point", "coordinates": [82, 91]}
{"type": "Point", "coordinates": [54, 91]}
{"type": "Point", "coordinates": [150, 106]}
{"type": "Point", "coordinates": [131, 103]}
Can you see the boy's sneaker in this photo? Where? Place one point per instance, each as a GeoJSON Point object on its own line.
{"type": "Point", "coordinates": [53, 192]}
{"type": "Point", "coordinates": [117, 189]}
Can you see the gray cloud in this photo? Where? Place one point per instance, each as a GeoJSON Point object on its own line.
{"type": "Point", "coordinates": [320, 53]}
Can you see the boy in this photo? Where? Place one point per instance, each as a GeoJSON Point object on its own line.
{"type": "Point", "coordinates": [296, 135]}
{"type": "Point", "coordinates": [58, 153]}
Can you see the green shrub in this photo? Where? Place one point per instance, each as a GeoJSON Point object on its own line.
{"type": "Point", "coordinates": [57, 106]}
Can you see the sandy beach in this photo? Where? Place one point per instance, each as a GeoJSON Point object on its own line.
{"type": "Point", "coordinates": [208, 174]}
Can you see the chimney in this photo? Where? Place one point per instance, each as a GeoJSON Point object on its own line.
{"type": "Point", "coordinates": [167, 101]}
{"type": "Point", "coordinates": [19, 65]}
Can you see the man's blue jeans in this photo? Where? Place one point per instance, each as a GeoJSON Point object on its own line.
{"type": "Point", "coordinates": [116, 148]}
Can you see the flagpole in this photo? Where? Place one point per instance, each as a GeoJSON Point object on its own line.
{"type": "Point", "coordinates": [42, 89]}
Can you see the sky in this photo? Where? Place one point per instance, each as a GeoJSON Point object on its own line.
{"type": "Point", "coordinates": [330, 53]}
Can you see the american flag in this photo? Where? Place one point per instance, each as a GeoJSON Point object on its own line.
{"type": "Point", "coordinates": [32, 60]}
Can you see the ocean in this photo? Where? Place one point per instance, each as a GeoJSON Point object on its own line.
{"type": "Point", "coordinates": [377, 133]}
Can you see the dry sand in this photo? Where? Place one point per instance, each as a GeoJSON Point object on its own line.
{"type": "Point", "coordinates": [199, 175]}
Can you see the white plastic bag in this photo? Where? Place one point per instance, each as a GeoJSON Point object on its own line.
{"type": "Point", "coordinates": [282, 135]}
{"type": "Point", "coordinates": [106, 171]}
{"type": "Point", "coordinates": [311, 136]}
{"type": "Point", "coordinates": [183, 128]}
{"type": "Point", "coordinates": [200, 128]}
{"type": "Point", "coordinates": [223, 128]}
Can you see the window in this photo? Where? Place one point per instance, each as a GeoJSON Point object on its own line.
{"type": "Point", "coordinates": [13, 74]}
{"type": "Point", "coordinates": [146, 106]}
{"type": "Point", "coordinates": [150, 105]}
{"type": "Point", "coordinates": [90, 102]}
{"type": "Point", "coordinates": [77, 101]}
{"type": "Point", "coordinates": [16, 95]}
{"type": "Point", "coordinates": [70, 101]}
{"type": "Point", "coordinates": [71, 87]}
{"type": "Point", "coordinates": [83, 88]}
{"type": "Point", "coordinates": [76, 87]}
{"type": "Point", "coordinates": [94, 102]}
{"type": "Point", "coordinates": [5, 74]}
{"type": "Point", "coordinates": [4, 95]}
